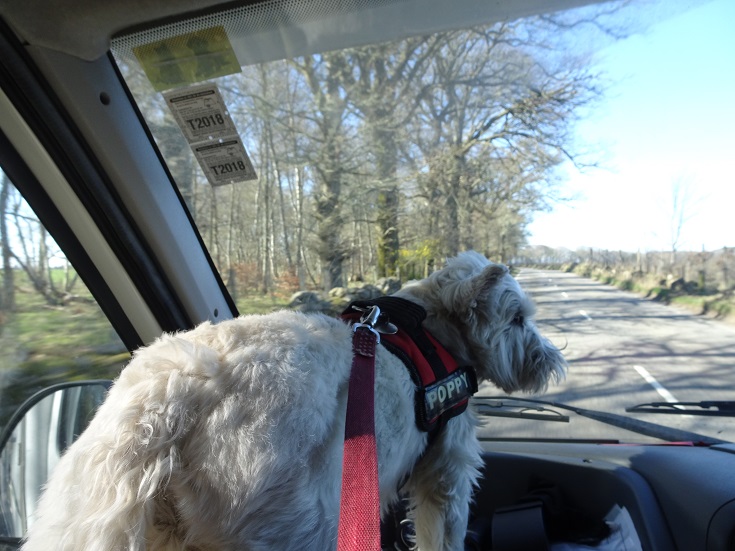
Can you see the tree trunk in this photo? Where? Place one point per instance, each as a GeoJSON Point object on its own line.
{"type": "Point", "coordinates": [452, 211]}
{"type": "Point", "coordinates": [7, 292]}
{"type": "Point", "coordinates": [300, 261]}
{"type": "Point", "coordinates": [387, 216]}
{"type": "Point", "coordinates": [267, 228]}
{"type": "Point", "coordinates": [330, 174]}
{"type": "Point", "coordinates": [231, 272]}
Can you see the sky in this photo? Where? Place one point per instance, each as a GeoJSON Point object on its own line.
{"type": "Point", "coordinates": [668, 117]}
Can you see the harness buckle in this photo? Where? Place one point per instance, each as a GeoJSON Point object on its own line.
{"type": "Point", "coordinates": [377, 320]}
{"type": "Point", "coordinates": [370, 317]}
{"type": "Point", "coordinates": [368, 321]}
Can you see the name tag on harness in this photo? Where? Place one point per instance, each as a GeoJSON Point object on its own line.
{"type": "Point", "coordinates": [446, 394]}
{"type": "Point", "coordinates": [448, 397]}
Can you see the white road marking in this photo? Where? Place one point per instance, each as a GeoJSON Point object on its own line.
{"type": "Point", "coordinates": [565, 294]}
{"type": "Point", "coordinates": [585, 315]}
{"type": "Point", "coordinates": [658, 387]}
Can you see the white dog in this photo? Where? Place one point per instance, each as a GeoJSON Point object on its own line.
{"type": "Point", "coordinates": [230, 436]}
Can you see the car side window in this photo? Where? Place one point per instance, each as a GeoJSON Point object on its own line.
{"type": "Point", "coordinates": [51, 328]}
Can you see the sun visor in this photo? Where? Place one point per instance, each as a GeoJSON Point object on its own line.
{"type": "Point", "coordinates": [286, 29]}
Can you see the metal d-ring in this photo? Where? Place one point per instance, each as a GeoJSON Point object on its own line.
{"type": "Point", "coordinates": [372, 315]}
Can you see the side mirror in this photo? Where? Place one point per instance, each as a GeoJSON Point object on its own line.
{"type": "Point", "coordinates": [34, 439]}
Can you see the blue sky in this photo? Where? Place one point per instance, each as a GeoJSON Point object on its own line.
{"type": "Point", "coordinates": [668, 116]}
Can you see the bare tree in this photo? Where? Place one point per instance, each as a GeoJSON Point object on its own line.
{"type": "Point", "coordinates": [380, 89]}
{"type": "Point", "coordinates": [329, 160]}
{"type": "Point", "coordinates": [682, 206]}
{"type": "Point", "coordinates": [38, 256]}
{"type": "Point", "coordinates": [495, 121]}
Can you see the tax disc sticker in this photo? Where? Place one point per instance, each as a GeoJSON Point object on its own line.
{"type": "Point", "coordinates": [203, 117]}
{"type": "Point", "coordinates": [201, 113]}
{"type": "Point", "coordinates": [225, 162]}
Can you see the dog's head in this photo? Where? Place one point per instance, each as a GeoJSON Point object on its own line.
{"type": "Point", "coordinates": [482, 316]}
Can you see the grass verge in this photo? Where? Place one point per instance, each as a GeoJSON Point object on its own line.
{"type": "Point", "coordinates": [709, 302]}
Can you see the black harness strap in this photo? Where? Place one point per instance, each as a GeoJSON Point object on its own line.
{"type": "Point", "coordinates": [409, 316]}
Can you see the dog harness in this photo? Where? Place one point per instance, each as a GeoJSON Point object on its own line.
{"type": "Point", "coordinates": [443, 388]}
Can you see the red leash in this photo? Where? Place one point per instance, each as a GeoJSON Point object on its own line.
{"type": "Point", "coordinates": [359, 515]}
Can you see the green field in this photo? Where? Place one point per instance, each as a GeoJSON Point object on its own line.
{"type": "Point", "coordinates": [260, 304]}
{"type": "Point", "coordinates": [43, 344]}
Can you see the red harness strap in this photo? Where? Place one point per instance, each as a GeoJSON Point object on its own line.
{"type": "Point", "coordinates": [359, 515]}
{"type": "Point", "coordinates": [442, 391]}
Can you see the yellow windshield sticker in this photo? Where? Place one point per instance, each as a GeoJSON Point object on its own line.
{"type": "Point", "coordinates": [188, 58]}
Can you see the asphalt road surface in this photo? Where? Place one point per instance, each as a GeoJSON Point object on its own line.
{"type": "Point", "coordinates": [623, 350]}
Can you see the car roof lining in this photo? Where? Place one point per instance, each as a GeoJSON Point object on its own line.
{"type": "Point", "coordinates": [84, 28]}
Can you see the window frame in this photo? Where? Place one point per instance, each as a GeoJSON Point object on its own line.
{"type": "Point", "coordinates": [162, 266]}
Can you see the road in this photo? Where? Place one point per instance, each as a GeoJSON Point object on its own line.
{"type": "Point", "coordinates": [625, 350]}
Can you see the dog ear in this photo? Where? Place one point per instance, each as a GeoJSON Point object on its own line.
{"type": "Point", "coordinates": [488, 278]}
{"type": "Point", "coordinates": [462, 297]}
{"type": "Point", "coordinates": [485, 281]}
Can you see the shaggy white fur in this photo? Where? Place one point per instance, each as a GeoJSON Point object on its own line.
{"type": "Point", "coordinates": [230, 436]}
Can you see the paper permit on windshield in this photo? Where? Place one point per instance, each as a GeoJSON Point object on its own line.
{"type": "Point", "coordinates": [206, 123]}
{"type": "Point", "coordinates": [225, 162]}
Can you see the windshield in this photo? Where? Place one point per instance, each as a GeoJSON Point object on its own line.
{"type": "Point", "coordinates": [331, 155]}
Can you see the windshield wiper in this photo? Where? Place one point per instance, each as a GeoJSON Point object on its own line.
{"type": "Point", "coordinates": [517, 408]}
{"type": "Point", "coordinates": [653, 430]}
{"type": "Point", "coordinates": [708, 408]}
